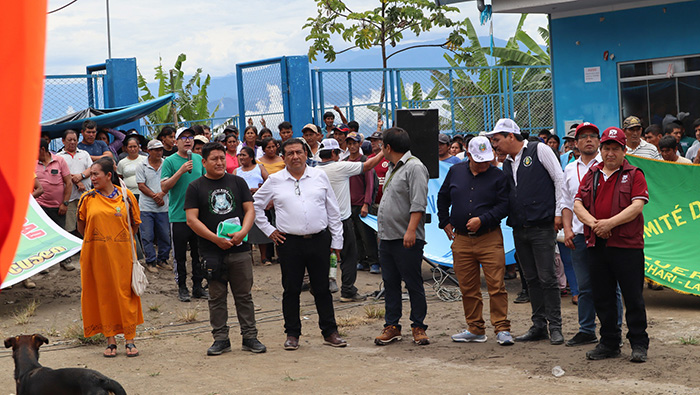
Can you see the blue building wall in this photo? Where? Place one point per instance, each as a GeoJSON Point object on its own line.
{"type": "Point", "coordinates": [629, 35]}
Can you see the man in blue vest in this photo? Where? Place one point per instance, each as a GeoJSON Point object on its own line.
{"type": "Point", "coordinates": [536, 195]}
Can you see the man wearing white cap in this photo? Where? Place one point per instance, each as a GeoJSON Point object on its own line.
{"type": "Point", "coordinates": [536, 197]}
{"type": "Point", "coordinates": [477, 193]}
{"type": "Point", "coordinates": [339, 174]}
{"type": "Point", "coordinates": [154, 209]}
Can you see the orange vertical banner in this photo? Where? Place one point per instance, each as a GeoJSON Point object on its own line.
{"type": "Point", "coordinates": [23, 32]}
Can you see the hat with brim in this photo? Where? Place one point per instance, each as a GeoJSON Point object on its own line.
{"type": "Point", "coordinates": [155, 144]}
{"type": "Point", "coordinates": [375, 136]}
{"type": "Point", "coordinates": [355, 137]}
{"type": "Point", "coordinates": [343, 128]}
{"type": "Point", "coordinates": [201, 139]}
{"type": "Point", "coordinates": [443, 138]}
{"type": "Point", "coordinates": [480, 149]}
{"type": "Point", "coordinates": [586, 126]}
{"type": "Point", "coordinates": [311, 127]}
{"type": "Point", "coordinates": [505, 125]}
{"type": "Point", "coordinates": [329, 144]}
{"type": "Point", "coordinates": [134, 135]}
{"type": "Point", "coordinates": [182, 131]}
{"type": "Point", "coordinates": [614, 134]}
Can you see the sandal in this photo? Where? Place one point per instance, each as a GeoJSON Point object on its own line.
{"type": "Point", "coordinates": [112, 349]}
{"type": "Point", "coordinates": [129, 347]}
{"type": "Point", "coordinates": [267, 262]}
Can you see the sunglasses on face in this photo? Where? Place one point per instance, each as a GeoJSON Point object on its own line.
{"type": "Point", "coordinates": [185, 138]}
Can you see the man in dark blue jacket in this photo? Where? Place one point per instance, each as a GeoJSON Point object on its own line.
{"type": "Point", "coordinates": [478, 194]}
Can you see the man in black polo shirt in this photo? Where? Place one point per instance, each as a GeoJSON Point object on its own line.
{"type": "Point", "coordinates": [477, 193]}
{"type": "Point", "coordinates": [536, 194]}
{"type": "Point", "coordinates": [211, 199]}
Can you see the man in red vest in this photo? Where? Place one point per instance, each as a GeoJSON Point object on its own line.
{"type": "Point", "coordinates": [609, 203]}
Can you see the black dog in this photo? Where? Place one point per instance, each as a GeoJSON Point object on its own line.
{"type": "Point", "coordinates": [34, 379]}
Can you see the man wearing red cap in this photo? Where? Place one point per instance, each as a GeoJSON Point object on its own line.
{"type": "Point", "coordinates": [609, 203]}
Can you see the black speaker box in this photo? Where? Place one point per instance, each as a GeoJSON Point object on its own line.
{"type": "Point", "coordinates": [423, 128]}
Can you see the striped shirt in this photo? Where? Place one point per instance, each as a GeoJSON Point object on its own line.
{"type": "Point", "coordinates": [645, 150]}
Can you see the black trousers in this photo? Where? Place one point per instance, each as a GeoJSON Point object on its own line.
{"type": "Point", "coordinates": [400, 263]}
{"type": "Point", "coordinates": [182, 235]}
{"type": "Point", "coordinates": [611, 266]}
{"type": "Point", "coordinates": [535, 249]}
{"type": "Point", "coordinates": [367, 249]}
{"type": "Point", "coordinates": [313, 254]}
{"type": "Point", "coordinates": [348, 260]}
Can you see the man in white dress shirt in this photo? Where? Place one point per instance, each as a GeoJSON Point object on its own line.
{"type": "Point", "coordinates": [308, 228]}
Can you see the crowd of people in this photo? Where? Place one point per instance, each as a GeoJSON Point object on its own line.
{"type": "Point", "coordinates": [575, 209]}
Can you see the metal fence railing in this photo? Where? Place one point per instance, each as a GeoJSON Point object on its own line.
{"type": "Point", "coordinates": [468, 100]}
{"type": "Point", "coordinates": [260, 92]}
{"type": "Point", "coordinates": [64, 94]}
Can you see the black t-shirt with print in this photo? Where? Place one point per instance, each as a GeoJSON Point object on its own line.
{"type": "Point", "coordinates": [218, 200]}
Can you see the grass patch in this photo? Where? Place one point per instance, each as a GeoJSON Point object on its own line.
{"type": "Point", "coordinates": [154, 307]}
{"type": "Point", "coordinates": [374, 311]}
{"type": "Point", "coordinates": [153, 332]}
{"type": "Point", "coordinates": [689, 341]}
{"type": "Point", "coordinates": [53, 332]}
{"type": "Point", "coordinates": [75, 332]}
{"type": "Point", "coordinates": [22, 316]}
{"type": "Point", "coordinates": [155, 374]}
{"type": "Point", "coordinates": [287, 377]}
{"type": "Point", "coordinates": [352, 321]}
{"type": "Point", "coordinates": [187, 315]}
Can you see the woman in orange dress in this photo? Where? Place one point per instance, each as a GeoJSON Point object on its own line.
{"type": "Point", "coordinates": [109, 306]}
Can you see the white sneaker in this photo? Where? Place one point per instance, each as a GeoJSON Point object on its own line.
{"type": "Point", "coordinates": [468, 337]}
{"type": "Point", "coordinates": [504, 338]}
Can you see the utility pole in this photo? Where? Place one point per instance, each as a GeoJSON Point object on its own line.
{"type": "Point", "coordinates": [109, 36]}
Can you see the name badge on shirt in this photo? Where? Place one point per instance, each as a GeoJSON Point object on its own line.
{"type": "Point", "coordinates": [54, 171]}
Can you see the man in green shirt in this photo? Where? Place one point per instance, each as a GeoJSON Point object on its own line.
{"type": "Point", "coordinates": [178, 171]}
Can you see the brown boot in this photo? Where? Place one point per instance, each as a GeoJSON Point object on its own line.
{"type": "Point", "coordinates": [389, 334]}
{"type": "Point", "coordinates": [419, 336]}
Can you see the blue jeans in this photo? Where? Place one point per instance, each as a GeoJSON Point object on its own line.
{"type": "Point", "coordinates": [565, 254]}
{"type": "Point", "coordinates": [155, 225]}
{"type": "Point", "coordinates": [399, 263]}
{"type": "Point", "coordinates": [581, 260]}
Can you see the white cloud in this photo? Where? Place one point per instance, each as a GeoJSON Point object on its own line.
{"type": "Point", "coordinates": [215, 34]}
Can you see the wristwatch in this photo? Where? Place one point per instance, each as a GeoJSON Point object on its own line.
{"type": "Point", "coordinates": [65, 203]}
{"type": "Point", "coordinates": [83, 175]}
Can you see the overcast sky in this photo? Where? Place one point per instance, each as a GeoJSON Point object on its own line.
{"type": "Point", "coordinates": [215, 34]}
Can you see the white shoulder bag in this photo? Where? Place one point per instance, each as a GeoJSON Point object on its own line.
{"type": "Point", "coordinates": [138, 275]}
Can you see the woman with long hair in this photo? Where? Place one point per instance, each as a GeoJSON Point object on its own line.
{"type": "Point", "coordinates": [250, 138]}
{"type": "Point", "coordinates": [456, 147]}
{"type": "Point", "coordinates": [254, 175]}
{"type": "Point", "coordinates": [108, 304]}
{"type": "Point", "coordinates": [231, 144]}
{"type": "Point", "coordinates": [265, 133]}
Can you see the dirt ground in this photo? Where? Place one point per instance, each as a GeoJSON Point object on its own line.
{"type": "Point", "coordinates": [173, 351]}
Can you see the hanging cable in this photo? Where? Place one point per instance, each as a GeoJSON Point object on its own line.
{"type": "Point", "coordinates": [60, 8]}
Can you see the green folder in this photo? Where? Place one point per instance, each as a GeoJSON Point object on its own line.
{"type": "Point", "coordinates": [225, 228]}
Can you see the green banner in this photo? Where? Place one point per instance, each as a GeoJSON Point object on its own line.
{"type": "Point", "coordinates": [671, 223]}
{"type": "Point", "coordinates": [42, 245]}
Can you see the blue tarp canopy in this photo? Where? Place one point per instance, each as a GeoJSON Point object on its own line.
{"type": "Point", "coordinates": [108, 117]}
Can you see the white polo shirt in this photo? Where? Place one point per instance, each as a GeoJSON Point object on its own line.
{"type": "Point", "coordinates": [77, 163]}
